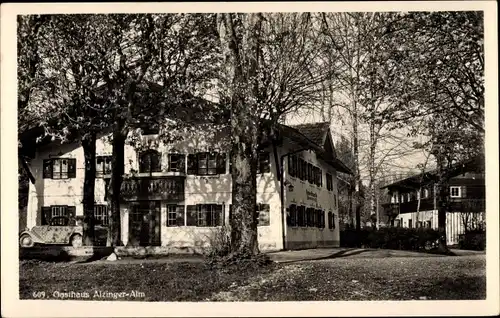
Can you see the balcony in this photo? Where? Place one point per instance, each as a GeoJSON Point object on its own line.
{"type": "Point", "coordinates": [168, 188]}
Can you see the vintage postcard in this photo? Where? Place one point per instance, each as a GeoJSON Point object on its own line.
{"type": "Point", "coordinates": [250, 159]}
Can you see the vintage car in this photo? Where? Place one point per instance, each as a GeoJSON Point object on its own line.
{"type": "Point", "coordinates": [61, 230]}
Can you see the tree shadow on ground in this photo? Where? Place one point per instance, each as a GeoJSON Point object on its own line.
{"type": "Point", "coordinates": [339, 254]}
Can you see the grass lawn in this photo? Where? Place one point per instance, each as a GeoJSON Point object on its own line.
{"type": "Point", "coordinates": [435, 278]}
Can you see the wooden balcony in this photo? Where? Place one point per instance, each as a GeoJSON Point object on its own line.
{"type": "Point", "coordinates": [168, 188]}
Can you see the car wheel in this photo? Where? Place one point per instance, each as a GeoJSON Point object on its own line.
{"type": "Point", "coordinates": [26, 241]}
{"type": "Point", "coordinates": [76, 240]}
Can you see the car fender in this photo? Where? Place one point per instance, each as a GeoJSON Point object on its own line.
{"type": "Point", "coordinates": [35, 237]}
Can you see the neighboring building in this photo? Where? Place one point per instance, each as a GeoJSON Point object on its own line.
{"type": "Point", "coordinates": [467, 200]}
{"type": "Point", "coordinates": [178, 195]}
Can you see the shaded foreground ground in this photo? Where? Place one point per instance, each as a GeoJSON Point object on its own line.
{"type": "Point", "coordinates": [342, 278]}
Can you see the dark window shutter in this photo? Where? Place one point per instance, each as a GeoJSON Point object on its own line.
{"type": "Point", "coordinates": [219, 218]}
{"type": "Point", "coordinates": [71, 211]}
{"type": "Point", "coordinates": [290, 166]}
{"type": "Point", "coordinates": [192, 164]}
{"type": "Point", "coordinates": [191, 215]}
{"type": "Point", "coordinates": [463, 191]}
{"type": "Point", "coordinates": [179, 215]}
{"type": "Point", "coordinates": [221, 163]}
{"type": "Point", "coordinates": [181, 164]}
{"type": "Point", "coordinates": [47, 168]}
{"type": "Point", "coordinates": [333, 221]}
{"type": "Point", "coordinates": [71, 168]}
{"type": "Point", "coordinates": [293, 215]}
{"type": "Point", "coordinates": [46, 215]}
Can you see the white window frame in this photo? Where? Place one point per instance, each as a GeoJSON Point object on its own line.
{"type": "Point", "coordinates": [101, 212]}
{"type": "Point", "coordinates": [459, 192]}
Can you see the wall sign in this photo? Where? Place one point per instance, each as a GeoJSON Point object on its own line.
{"type": "Point", "coordinates": [311, 196]}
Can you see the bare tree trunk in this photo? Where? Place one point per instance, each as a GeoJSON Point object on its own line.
{"type": "Point", "coordinates": [240, 72]}
{"type": "Point", "coordinates": [89, 149]}
{"type": "Point", "coordinates": [442, 199]}
{"type": "Point", "coordinates": [357, 177]}
{"type": "Point", "coordinates": [244, 195]}
{"type": "Point", "coordinates": [117, 171]}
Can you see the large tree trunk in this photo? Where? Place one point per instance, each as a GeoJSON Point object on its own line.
{"type": "Point", "coordinates": [357, 177]}
{"type": "Point", "coordinates": [243, 219]}
{"type": "Point", "coordinates": [89, 148]}
{"type": "Point", "coordinates": [442, 194]}
{"type": "Point", "coordinates": [371, 168]}
{"type": "Point", "coordinates": [240, 71]}
{"type": "Point", "coordinates": [117, 171]}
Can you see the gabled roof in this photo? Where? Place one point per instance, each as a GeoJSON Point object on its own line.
{"type": "Point", "coordinates": [416, 181]}
{"type": "Point", "coordinates": [313, 136]}
{"type": "Point", "coordinates": [316, 132]}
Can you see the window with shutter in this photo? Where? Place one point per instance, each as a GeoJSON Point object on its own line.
{"type": "Point", "coordinates": [309, 217]}
{"type": "Point", "coordinates": [293, 215]}
{"type": "Point", "coordinates": [101, 214]}
{"type": "Point", "coordinates": [191, 215]}
{"type": "Point", "coordinates": [60, 168]}
{"type": "Point", "coordinates": [47, 168]}
{"type": "Point", "coordinates": [103, 166]}
{"type": "Point", "coordinates": [149, 161]}
{"type": "Point", "coordinates": [172, 215]}
{"type": "Point", "coordinates": [192, 164]}
{"type": "Point", "coordinates": [46, 215]}
{"type": "Point", "coordinates": [292, 161]}
{"type": "Point", "coordinates": [304, 170]}
{"type": "Point", "coordinates": [176, 162]}
{"type": "Point", "coordinates": [221, 163]}
{"type": "Point", "coordinates": [455, 192]}
{"type": "Point", "coordinates": [72, 168]}
{"type": "Point", "coordinates": [210, 215]}
{"type": "Point", "coordinates": [180, 215]}
{"type": "Point", "coordinates": [329, 182]}
{"type": "Point", "coordinates": [333, 221]}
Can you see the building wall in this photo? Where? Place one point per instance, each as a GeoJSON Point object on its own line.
{"type": "Point", "coordinates": [198, 189]}
{"type": "Point", "coordinates": [312, 237]}
{"type": "Point", "coordinates": [454, 222]}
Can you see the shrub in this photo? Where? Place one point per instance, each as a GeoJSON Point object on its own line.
{"type": "Point", "coordinates": [391, 238]}
{"type": "Point", "coordinates": [473, 240]}
{"type": "Point", "coordinates": [220, 243]}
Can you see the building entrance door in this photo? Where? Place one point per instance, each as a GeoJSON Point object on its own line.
{"type": "Point", "coordinates": [144, 223]}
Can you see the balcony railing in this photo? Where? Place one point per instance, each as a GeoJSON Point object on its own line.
{"type": "Point", "coordinates": [168, 188]}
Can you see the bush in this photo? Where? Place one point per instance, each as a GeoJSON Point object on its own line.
{"type": "Point", "coordinates": [397, 238]}
{"type": "Point", "coordinates": [473, 240]}
{"type": "Point", "coordinates": [220, 243]}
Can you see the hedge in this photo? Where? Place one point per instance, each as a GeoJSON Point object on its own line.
{"type": "Point", "coordinates": [473, 240]}
{"type": "Point", "coordinates": [396, 238]}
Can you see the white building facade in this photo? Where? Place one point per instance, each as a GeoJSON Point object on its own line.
{"type": "Point", "coordinates": [177, 196]}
